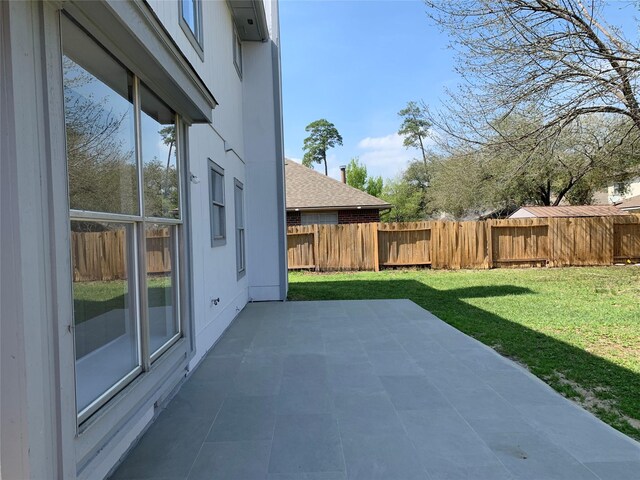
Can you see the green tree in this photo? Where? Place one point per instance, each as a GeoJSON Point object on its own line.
{"type": "Point", "coordinates": [375, 186]}
{"type": "Point", "coordinates": [515, 170]}
{"type": "Point", "coordinates": [323, 135]}
{"type": "Point", "coordinates": [356, 174]}
{"type": "Point", "coordinates": [457, 186]}
{"type": "Point", "coordinates": [357, 177]}
{"type": "Point", "coordinates": [406, 200]}
{"type": "Point", "coordinates": [415, 127]}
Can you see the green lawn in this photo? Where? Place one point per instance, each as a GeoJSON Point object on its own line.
{"type": "Point", "coordinates": [576, 328]}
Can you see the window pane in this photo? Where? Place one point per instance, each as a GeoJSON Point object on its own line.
{"type": "Point", "coordinates": [218, 221]}
{"type": "Point", "coordinates": [99, 126]}
{"type": "Point", "coordinates": [239, 201]}
{"type": "Point", "coordinates": [239, 210]}
{"type": "Point", "coordinates": [319, 218]}
{"type": "Point", "coordinates": [218, 188]}
{"type": "Point", "coordinates": [104, 314]}
{"type": "Point", "coordinates": [240, 250]}
{"type": "Point", "coordinates": [189, 13]}
{"type": "Point", "coordinates": [161, 281]}
{"type": "Point", "coordinates": [160, 171]}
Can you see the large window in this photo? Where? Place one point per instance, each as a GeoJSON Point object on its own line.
{"type": "Point", "coordinates": [216, 199]}
{"type": "Point", "coordinates": [239, 206]}
{"type": "Point", "coordinates": [124, 198]}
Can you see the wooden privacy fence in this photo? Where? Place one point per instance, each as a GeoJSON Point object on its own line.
{"type": "Point", "coordinates": [554, 242]}
{"type": "Point", "coordinates": [102, 256]}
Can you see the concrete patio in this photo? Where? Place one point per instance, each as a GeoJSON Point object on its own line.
{"type": "Point", "coordinates": [369, 390]}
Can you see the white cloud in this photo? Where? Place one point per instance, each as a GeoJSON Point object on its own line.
{"type": "Point", "coordinates": [385, 156]}
{"type": "Point", "coordinates": [390, 142]}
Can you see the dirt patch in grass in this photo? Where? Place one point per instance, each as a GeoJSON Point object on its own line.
{"type": "Point", "coordinates": [591, 400]}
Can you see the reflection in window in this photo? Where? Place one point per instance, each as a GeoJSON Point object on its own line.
{"type": "Point", "coordinates": [192, 17]}
{"type": "Point", "coordinates": [163, 320]}
{"type": "Point", "coordinates": [106, 137]}
{"type": "Point", "coordinates": [104, 315]}
{"type": "Point", "coordinates": [160, 170]}
{"type": "Point", "coordinates": [100, 134]}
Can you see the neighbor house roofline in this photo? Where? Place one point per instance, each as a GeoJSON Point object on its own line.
{"type": "Point", "coordinates": [340, 207]}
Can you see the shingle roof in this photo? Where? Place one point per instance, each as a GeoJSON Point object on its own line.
{"type": "Point", "coordinates": [574, 211]}
{"type": "Point", "coordinates": [310, 190]}
{"type": "Point", "coordinates": [632, 203]}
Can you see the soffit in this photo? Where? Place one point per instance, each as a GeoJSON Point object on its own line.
{"type": "Point", "coordinates": [134, 35]}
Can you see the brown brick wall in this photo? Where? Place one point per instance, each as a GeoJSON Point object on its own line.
{"type": "Point", "coordinates": [358, 216]}
{"type": "Point", "coordinates": [293, 218]}
{"type": "Point", "coordinates": [344, 216]}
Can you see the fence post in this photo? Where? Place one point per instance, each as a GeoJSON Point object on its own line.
{"type": "Point", "coordinates": [316, 249]}
{"type": "Point", "coordinates": [489, 240]}
{"type": "Point", "coordinates": [376, 254]}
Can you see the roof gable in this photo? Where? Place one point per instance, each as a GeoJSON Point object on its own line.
{"type": "Point", "coordinates": [310, 190]}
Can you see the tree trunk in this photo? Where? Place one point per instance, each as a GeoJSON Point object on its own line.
{"type": "Point", "coordinates": [424, 156]}
{"type": "Point", "coordinates": [324, 157]}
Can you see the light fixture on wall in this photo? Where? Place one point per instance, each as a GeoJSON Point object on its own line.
{"type": "Point", "coordinates": [194, 179]}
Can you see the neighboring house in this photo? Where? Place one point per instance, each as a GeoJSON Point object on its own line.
{"type": "Point", "coordinates": [142, 208]}
{"type": "Point", "coordinates": [630, 205]}
{"type": "Point", "coordinates": [316, 198]}
{"type": "Point", "coordinates": [566, 211]}
{"type": "Point", "coordinates": [617, 192]}
{"type": "Point", "coordinates": [621, 191]}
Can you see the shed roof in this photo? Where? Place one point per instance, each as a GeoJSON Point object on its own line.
{"type": "Point", "coordinates": [632, 203]}
{"type": "Point", "coordinates": [310, 190]}
{"type": "Point", "coordinates": [569, 211]}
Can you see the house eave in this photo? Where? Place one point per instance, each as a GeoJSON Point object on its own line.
{"type": "Point", "coordinates": [156, 58]}
{"type": "Point", "coordinates": [250, 20]}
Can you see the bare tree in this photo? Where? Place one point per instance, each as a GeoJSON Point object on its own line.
{"type": "Point", "coordinates": [559, 56]}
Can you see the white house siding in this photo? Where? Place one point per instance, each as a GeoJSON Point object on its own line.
{"type": "Point", "coordinates": [214, 268]}
{"type": "Point", "coordinates": [244, 138]}
{"type": "Point", "coordinates": [521, 213]}
{"type": "Point", "coordinates": [265, 178]}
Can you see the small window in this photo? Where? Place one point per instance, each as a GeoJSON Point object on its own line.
{"type": "Point", "coordinates": [239, 206]}
{"type": "Point", "coordinates": [191, 22]}
{"type": "Point", "coordinates": [237, 52]}
{"type": "Point", "coordinates": [620, 188]}
{"type": "Point", "coordinates": [322, 218]}
{"type": "Point", "coordinates": [216, 189]}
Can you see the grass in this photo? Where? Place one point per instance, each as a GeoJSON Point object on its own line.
{"type": "Point", "coordinates": [91, 299]}
{"type": "Point", "coordinates": [576, 328]}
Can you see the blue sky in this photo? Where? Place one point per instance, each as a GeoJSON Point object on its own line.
{"type": "Point", "coordinates": [357, 63]}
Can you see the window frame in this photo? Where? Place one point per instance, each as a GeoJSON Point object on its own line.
{"type": "Point", "coordinates": [195, 38]}
{"type": "Point", "coordinates": [136, 259]}
{"type": "Point", "coordinates": [332, 213]}
{"type": "Point", "coordinates": [214, 168]}
{"type": "Point", "coordinates": [241, 251]}
{"type": "Point", "coordinates": [237, 52]}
